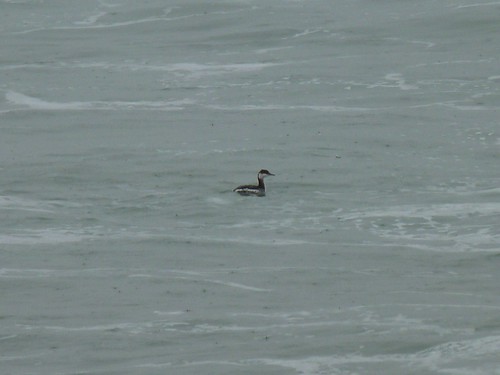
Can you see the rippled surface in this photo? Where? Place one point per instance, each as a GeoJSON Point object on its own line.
{"type": "Point", "coordinates": [126, 125]}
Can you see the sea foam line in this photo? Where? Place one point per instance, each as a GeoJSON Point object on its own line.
{"type": "Point", "coordinates": [187, 364]}
{"type": "Point", "coordinates": [88, 25]}
{"type": "Point", "coordinates": [33, 103]}
{"type": "Point", "coordinates": [194, 69]}
{"type": "Point", "coordinates": [196, 276]}
{"type": "Point", "coordinates": [428, 211]}
{"type": "Point", "coordinates": [477, 5]}
{"type": "Point", "coordinates": [14, 203]}
{"type": "Point", "coordinates": [436, 358]}
{"type": "Point", "coordinates": [91, 20]}
{"type": "Point", "coordinates": [272, 107]}
{"type": "Point", "coordinates": [129, 327]}
{"type": "Point", "coordinates": [225, 283]}
{"type": "Point", "coordinates": [30, 273]}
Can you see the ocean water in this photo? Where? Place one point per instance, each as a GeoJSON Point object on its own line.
{"type": "Point", "coordinates": [125, 125]}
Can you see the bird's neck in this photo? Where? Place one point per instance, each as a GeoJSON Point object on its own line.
{"type": "Point", "coordinates": [261, 182]}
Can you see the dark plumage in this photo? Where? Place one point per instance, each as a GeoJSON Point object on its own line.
{"type": "Point", "coordinates": [259, 190]}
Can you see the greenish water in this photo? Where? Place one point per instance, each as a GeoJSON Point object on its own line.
{"type": "Point", "coordinates": [125, 126]}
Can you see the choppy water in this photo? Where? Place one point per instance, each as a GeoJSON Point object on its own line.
{"type": "Point", "coordinates": [125, 125]}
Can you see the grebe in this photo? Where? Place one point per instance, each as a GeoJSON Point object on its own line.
{"type": "Point", "coordinates": [259, 190]}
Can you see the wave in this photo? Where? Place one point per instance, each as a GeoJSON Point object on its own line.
{"type": "Point", "coordinates": [449, 357]}
{"type": "Point", "coordinates": [32, 103]}
{"type": "Point", "coordinates": [435, 227]}
{"type": "Point", "coordinates": [273, 107]}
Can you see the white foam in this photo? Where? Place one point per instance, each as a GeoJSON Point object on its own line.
{"type": "Point", "coordinates": [185, 70]}
{"type": "Point", "coordinates": [39, 237]}
{"type": "Point", "coordinates": [91, 20]}
{"type": "Point", "coordinates": [218, 201]}
{"type": "Point", "coordinates": [131, 327]}
{"type": "Point", "coordinates": [32, 103]}
{"type": "Point", "coordinates": [23, 357]}
{"type": "Point", "coordinates": [4, 338]}
{"type": "Point", "coordinates": [67, 235]}
{"type": "Point", "coordinates": [467, 107]}
{"type": "Point", "coordinates": [290, 316]}
{"type": "Point", "coordinates": [426, 44]}
{"type": "Point", "coordinates": [429, 211]}
{"type": "Point", "coordinates": [444, 355]}
{"type": "Point", "coordinates": [15, 203]}
{"type": "Point", "coordinates": [155, 365]}
{"type": "Point", "coordinates": [451, 62]}
{"type": "Point", "coordinates": [273, 107]}
{"type": "Point", "coordinates": [395, 80]}
{"type": "Point", "coordinates": [272, 49]}
{"type": "Point", "coordinates": [35, 103]}
{"type": "Point", "coordinates": [445, 358]}
{"type": "Point", "coordinates": [196, 71]}
{"type": "Point", "coordinates": [250, 240]}
{"type": "Point", "coordinates": [24, 273]}
{"type": "Point", "coordinates": [328, 365]}
{"type": "Point", "coordinates": [478, 5]}
{"type": "Point", "coordinates": [189, 363]}
{"type": "Point", "coordinates": [201, 277]}
{"type": "Point", "coordinates": [35, 273]}
{"type": "Point", "coordinates": [307, 32]}
{"type": "Point", "coordinates": [225, 283]}
{"type": "Point", "coordinates": [169, 313]}
{"type": "Point", "coordinates": [434, 227]}
{"type": "Point", "coordinates": [89, 25]}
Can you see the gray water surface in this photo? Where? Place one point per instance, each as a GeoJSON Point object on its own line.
{"type": "Point", "coordinates": [124, 127]}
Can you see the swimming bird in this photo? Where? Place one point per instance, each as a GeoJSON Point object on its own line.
{"type": "Point", "coordinates": [259, 190]}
